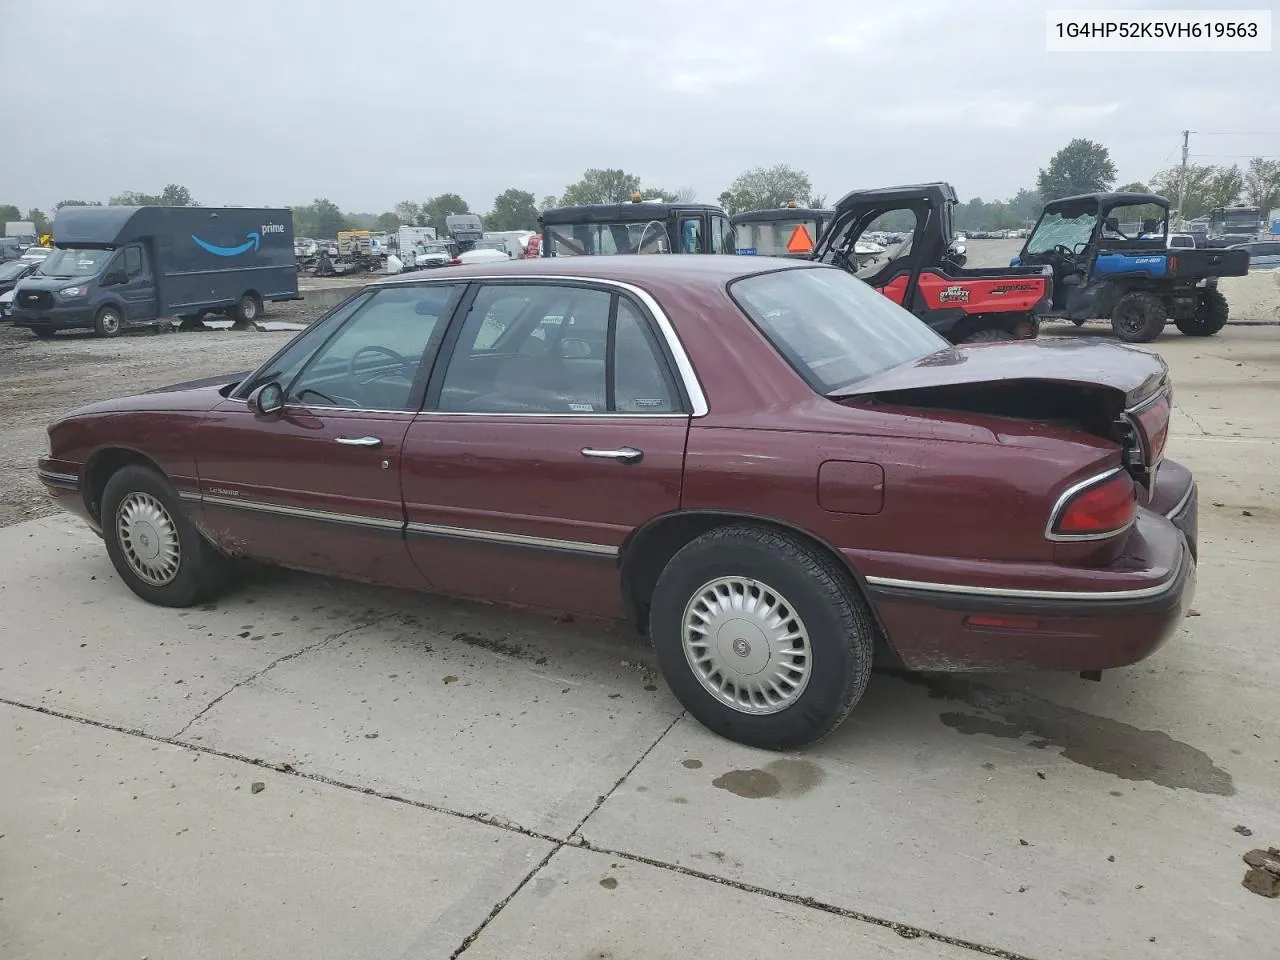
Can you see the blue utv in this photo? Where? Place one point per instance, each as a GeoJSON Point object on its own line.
{"type": "Point", "coordinates": [1111, 260]}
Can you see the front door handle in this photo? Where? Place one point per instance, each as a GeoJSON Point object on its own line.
{"type": "Point", "coordinates": [625, 454]}
{"type": "Point", "coordinates": [360, 441]}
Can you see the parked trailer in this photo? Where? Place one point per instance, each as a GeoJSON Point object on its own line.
{"type": "Point", "coordinates": [116, 267]}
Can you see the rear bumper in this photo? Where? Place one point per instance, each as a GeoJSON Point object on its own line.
{"type": "Point", "coordinates": [54, 318]}
{"type": "Point", "coordinates": [952, 627]}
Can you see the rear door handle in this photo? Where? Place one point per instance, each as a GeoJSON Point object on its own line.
{"type": "Point", "coordinates": [360, 441]}
{"type": "Point", "coordinates": [625, 454]}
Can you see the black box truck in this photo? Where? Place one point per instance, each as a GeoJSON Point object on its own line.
{"type": "Point", "coordinates": [116, 267]}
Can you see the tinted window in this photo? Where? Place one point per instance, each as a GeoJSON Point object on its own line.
{"type": "Point", "coordinates": [832, 328]}
{"type": "Point", "coordinates": [132, 261]}
{"type": "Point", "coordinates": [373, 362]}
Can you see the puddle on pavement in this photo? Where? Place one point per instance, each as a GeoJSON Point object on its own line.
{"type": "Point", "coordinates": [1106, 745]}
{"type": "Point", "coordinates": [780, 778]}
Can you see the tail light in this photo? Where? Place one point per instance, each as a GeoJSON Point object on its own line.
{"type": "Point", "coordinates": [454, 261]}
{"type": "Point", "coordinates": [1098, 508]}
{"type": "Point", "coordinates": [1151, 420]}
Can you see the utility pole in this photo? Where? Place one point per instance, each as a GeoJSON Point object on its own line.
{"type": "Point", "coordinates": [1182, 177]}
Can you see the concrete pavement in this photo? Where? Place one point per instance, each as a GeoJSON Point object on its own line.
{"type": "Point", "coordinates": [446, 779]}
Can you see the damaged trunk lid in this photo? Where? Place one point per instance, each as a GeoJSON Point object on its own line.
{"type": "Point", "coordinates": [1111, 390]}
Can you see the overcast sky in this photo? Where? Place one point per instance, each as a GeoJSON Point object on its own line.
{"type": "Point", "coordinates": [367, 103]}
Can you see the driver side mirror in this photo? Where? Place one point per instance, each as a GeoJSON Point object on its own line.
{"type": "Point", "coordinates": [267, 400]}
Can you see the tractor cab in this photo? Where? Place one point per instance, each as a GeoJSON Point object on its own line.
{"type": "Point", "coordinates": [900, 241]}
{"type": "Point", "coordinates": [786, 231]}
{"type": "Point", "coordinates": [638, 226]}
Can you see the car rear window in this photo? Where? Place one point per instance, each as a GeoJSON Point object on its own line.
{"type": "Point", "coordinates": [830, 326]}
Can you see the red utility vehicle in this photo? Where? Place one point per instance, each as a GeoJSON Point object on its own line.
{"type": "Point", "coordinates": [925, 272]}
{"type": "Point", "coordinates": [764, 464]}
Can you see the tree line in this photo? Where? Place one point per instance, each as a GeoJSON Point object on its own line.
{"type": "Point", "coordinates": [1082, 166]}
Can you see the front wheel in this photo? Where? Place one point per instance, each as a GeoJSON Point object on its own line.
{"type": "Point", "coordinates": [109, 322]}
{"type": "Point", "coordinates": [155, 549]}
{"type": "Point", "coordinates": [1139, 317]}
{"type": "Point", "coordinates": [762, 637]}
{"type": "Point", "coordinates": [1211, 315]}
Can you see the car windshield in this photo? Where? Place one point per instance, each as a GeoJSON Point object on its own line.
{"type": "Point", "coordinates": [435, 248]}
{"type": "Point", "coordinates": [769, 238]}
{"type": "Point", "coordinates": [489, 245]}
{"type": "Point", "coordinates": [74, 263]}
{"type": "Point", "coordinates": [11, 271]}
{"type": "Point", "coordinates": [1066, 228]}
{"type": "Point", "coordinates": [596, 239]}
{"type": "Point", "coordinates": [832, 328]}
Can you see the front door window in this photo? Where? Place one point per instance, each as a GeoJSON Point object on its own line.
{"type": "Point", "coordinates": [375, 360]}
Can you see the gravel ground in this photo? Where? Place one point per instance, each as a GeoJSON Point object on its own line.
{"type": "Point", "coordinates": [47, 378]}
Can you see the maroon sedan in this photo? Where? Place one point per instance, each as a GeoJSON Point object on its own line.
{"type": "Point", "coordinates": [765, 465]}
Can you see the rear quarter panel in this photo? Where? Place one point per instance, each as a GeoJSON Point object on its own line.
{"type": "Point", "coordinates": [956, 494]}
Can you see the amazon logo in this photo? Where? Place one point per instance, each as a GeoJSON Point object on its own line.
{"type": "Point", "coordinates": [252, 241]}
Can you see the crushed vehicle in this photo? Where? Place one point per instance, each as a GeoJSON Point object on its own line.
{"type": "Point", "coordinates": [1136, 281]}
{"type": "Point", "coordinates": [925, 273]}
{"type": "Point", "coordinates": [637, 226]}
{"type": "Point", "coordinates": [772, 470]}
{"type": "Point", "coordinates": [118, 267]}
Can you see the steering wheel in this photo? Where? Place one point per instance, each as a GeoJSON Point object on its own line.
{"type": "Point", "coordinates": [404, 362]}
{"type": "Point", "coordinates": [1065, 251]}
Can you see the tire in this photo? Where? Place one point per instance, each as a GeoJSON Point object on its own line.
{"type": "Point", "coordinates": [815, 596]}
{"type": "Point", "coordinates": [109, 322]}
{"type": "Point", "coordinates": [247, 309]}
{"type": "Point", "coordinates": [197, 571]}
{"type": "Point", "coordinates": [990, 335]}
{"type": "Point", "coordinates": [1211, 316]}
{"type": "Point", "coordinates": [1138, 317]}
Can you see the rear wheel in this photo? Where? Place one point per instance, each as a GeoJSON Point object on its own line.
{"type": "Point", "coordinates": [1138, 317]}
{"type": "Point", "coordinates": [157, 551]}
{"type": "Point", "coordinates": [1211, 315]}
{"type": "Point", "coordinates": [109, 322]}
{"type": "Point", "coordinates": [247, 309]}
{"type": "Point", "coordinates": [762, 637]}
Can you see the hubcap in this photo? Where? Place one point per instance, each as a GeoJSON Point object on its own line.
{"type": "Point", "coordinates": [746, 645]}
{"type": "Point", "coordinates": [110, 322]}
{"type": "Point", "coordinates": [148, 538]}
{"type": "Point", "coordinates": [250, 308]}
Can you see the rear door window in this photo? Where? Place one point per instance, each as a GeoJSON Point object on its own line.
{"type": "Point", "coordinates": [559, 350]}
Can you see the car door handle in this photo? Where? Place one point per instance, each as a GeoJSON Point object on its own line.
{"type": "Point", "coordinates": [360, 441]}
{"type": "Point", "coordinates": [625, 454]}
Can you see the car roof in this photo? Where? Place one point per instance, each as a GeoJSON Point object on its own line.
{"type": "Point", "coordinates": [640, 269]}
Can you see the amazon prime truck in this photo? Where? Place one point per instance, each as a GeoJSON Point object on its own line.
{"type": "Point", "coordinates": [118, 267]}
